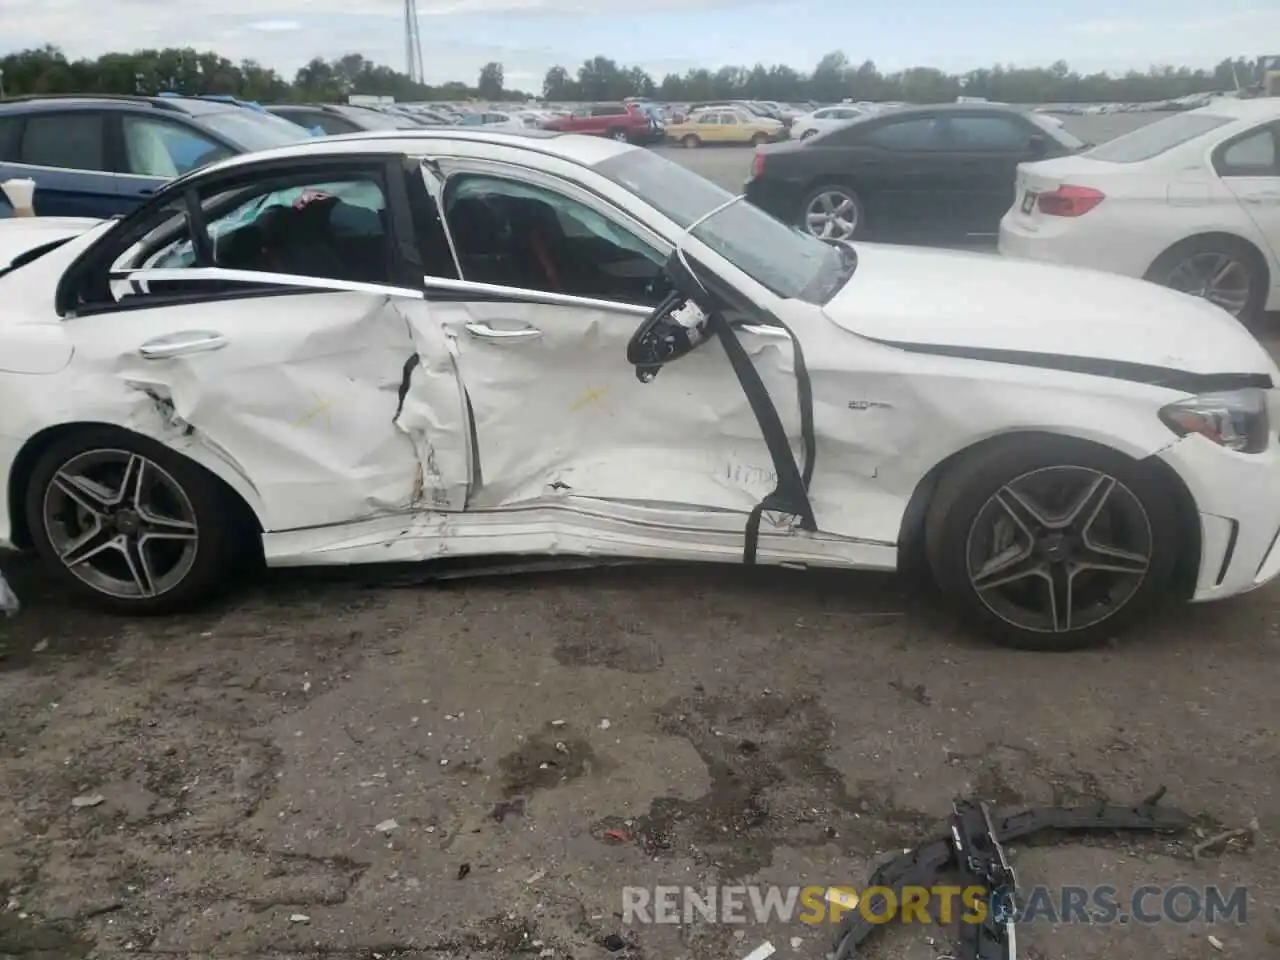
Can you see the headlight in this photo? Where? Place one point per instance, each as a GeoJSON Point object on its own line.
{"type": "Point", "coordinates": [1235, 419]}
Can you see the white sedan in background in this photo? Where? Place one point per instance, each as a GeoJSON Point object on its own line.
{"type": "Point", "coordinates": [1191, 201]}
{"type": "Point", "coordinates": [820, 121]}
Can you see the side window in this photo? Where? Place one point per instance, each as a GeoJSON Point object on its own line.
{"type": "Point", "coordinates": [71, 141]}
{"type": "Point", "coordinates": [333, 228]}
{"type": "Point", "coordinates": [918, 134]}
{"type": "Point", "coordinates": [1254, 155]}
{"type": "Point", "coordinates": [987, 133]}
{"type": "Point", "coordinates": [10, 132]}
{"type": "Point", "coordinates": [522, 235]}
{"type": "Point", "coordinates": [824, 115]}
{"type": "Point", "coordinates": [161, 148]}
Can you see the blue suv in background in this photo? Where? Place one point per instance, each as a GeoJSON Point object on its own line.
{"type": "Point", "coordinates": [99, 156]}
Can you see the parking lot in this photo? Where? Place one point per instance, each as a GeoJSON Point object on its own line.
{"type": "Point", "coordinates": [367, 764]}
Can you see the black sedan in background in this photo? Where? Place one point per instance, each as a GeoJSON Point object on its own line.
{"type": "Point", "coordinates": [939, 174]}
{"type": "Point", "coordinates": [336, 118]}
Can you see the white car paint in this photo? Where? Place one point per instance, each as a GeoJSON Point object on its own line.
{"type": "Point", "coordinates": [300, 417]}
{"type": "Point", "coordinates": [827, 118]}
{"type": "Point", "coordinates": [1155, 203]}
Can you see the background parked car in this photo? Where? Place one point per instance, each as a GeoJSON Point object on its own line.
{"type": "Point", "coordinates": [329, 119]}
{"type": "Point", "coordinates": [820, 121]}
{"type": "Point", "coordinates": [102, 156]}
{"type": "Point", "coordinates": [627, 122]}
{"type": "Point", "coordinates": [499, 120]}
{"type": "Point", "coordinates": [1191, 201]}
{"type": "Point", "coordinates": [725, 125]}
{"type": "Point", "coordinates": [939, 175]}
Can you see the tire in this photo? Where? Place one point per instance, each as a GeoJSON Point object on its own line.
{"type": "Point", "coordinates": [1250, 281]}
{"type": "Point", "coordinates": [759, 139]}
{"type": "Point", "coordinates": [845, 199]}
{"type": "Point", "coordinates": [808, 133]}
{"type": "Point", "coordinates": [1139, 515]}
{"type": "Point", "coordinates": [690, 142]}
{"type": "Point", "coordinates": [205, 564]}
{"type": "Point", "coordinates": [620, 135]}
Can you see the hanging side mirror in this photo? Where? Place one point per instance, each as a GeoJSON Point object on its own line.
{"type": "Point", "coordinates": [676, 327]}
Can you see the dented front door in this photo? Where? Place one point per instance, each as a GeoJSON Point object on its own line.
{"type": "Point", "coordinates": [332, 406]}
{"type": "Point", "coordinates": [559, 413]}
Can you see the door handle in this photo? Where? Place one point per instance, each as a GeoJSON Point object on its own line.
{"type": "Point", "coordinates": [486, 332]}
{"type": "Point", "coordinates": [181, 344]}
{"type": "Point", "coordinates": [764, 330]}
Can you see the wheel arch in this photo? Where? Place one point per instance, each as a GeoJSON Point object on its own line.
{"type": "Point", "coordinates": [238, 489]}
{"type": "Point", "coordinates": [1258, 253]}
{"type": "Point", "coordinates": [912, 527]}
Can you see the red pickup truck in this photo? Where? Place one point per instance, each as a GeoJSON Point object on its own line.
{"type": "Point", "coordinates": [628, 122]}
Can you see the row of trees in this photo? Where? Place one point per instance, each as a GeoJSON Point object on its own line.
{"type": "Point", "coordinates": [48, 70]}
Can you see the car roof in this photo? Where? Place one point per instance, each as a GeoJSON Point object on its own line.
{"type": "Point", "coordinates": [576, 148]}
{"type": "Point", "coordinates": [45, 103]}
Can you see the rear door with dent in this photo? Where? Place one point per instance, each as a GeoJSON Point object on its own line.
{"type": "Point", "coordinates": [313, 377]}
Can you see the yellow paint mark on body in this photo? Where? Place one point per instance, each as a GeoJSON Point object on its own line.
{"type": "Point", "coordinates": [591, 396]}
{"type": "Point", "coordinates": [321, 408]}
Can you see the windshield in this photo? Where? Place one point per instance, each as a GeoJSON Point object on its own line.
{"type": "Point", "coordinates": [783, 259]}
{"type": "Point", "coordinates": [1157, 138]}
{"type": "Point", "coordinates": [252, 131]}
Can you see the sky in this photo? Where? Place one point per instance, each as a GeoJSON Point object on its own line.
{"type": "Point", "coordinates": [529, 36]}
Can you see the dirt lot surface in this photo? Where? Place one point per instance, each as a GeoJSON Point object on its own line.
{"type": "Point", "coordinates": [337, 768]}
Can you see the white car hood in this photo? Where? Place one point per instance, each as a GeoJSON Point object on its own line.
{"type": "Point", "coordinates": [981, 302]}
{"type": "Point", "coordinates": [20, 234]}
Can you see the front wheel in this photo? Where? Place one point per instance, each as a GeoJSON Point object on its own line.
{"type": "Point", "coordinates": [619, 135]}
{"type": "Point", "coordinates": [759, 139]}
{"type": "Point", "coordinates": [808, 133]}
{"type": "Point", "coordinates": [691, 142]}
{"type": "Point", "coordinates": [1052, 543]}
{"type": "Point", "coordinates": [131, 526]}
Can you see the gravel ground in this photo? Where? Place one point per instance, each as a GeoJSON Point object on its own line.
{"type": "Point", "coordinates": [357, 766]}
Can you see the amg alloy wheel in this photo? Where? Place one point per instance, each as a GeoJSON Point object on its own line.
{"type": "Point", "coordinates": [1052, 543]}
{"type": "Point", "coordinates": [129, 524]}
{"type": "Point", "coordinates": [1058, 549]}
{"type": "Point", "coordinates": [832, 213]}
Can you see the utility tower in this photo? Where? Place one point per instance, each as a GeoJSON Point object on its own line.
{"type": "Point", "coordinates": [413, 42]}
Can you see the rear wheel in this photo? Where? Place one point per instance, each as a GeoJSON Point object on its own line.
{"type": "Point", "coordinates": [619, 135]}
{"type": "Point", "coordinates": [1223, 270]}
{"type": "Point", "coordinates": [131, 526]}
{"type": "Point", "coordinates": [1052, 544]}
{"type": "Point", "coordinates": [691, 142]}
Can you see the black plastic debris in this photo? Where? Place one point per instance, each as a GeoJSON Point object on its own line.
{"type": "Point", "coordinates": [973, 848]}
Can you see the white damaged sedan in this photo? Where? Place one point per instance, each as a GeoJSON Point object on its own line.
{"type": "Point", "coordinates": [452, 343]}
